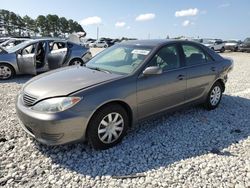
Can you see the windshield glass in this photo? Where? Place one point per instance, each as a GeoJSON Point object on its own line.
{"type": "Point", "coordinates": [208, 41]}
{"type": "Point", "coordinates": [231, 41]}
{"type": "Point", "coordinates": [247, 40]}
{"type": "Point", "coordinates": [119, 59]}
{"type": "Point", "coordinates": [17, 47]}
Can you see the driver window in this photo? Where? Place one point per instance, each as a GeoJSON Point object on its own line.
{"type": "Point", "coordinates": [29, 49]}
{"type": "Point", "coordinates": [167, 58]}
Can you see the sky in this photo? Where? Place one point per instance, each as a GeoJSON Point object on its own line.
{"type": "Point", "coordinates": [143, 19]}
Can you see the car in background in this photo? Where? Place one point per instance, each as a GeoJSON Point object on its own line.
{"type": "Point", "coordinates": [40, 55]}
{"type": "Point", "coordinates": [117, 88]}
{"type": "Point", "coordinates": [99, 44]}
{"type": "Point", "coordinates": [3, 39]}
{"type": "Point", "coordinates": [13, 42]}
{"type": "Point", "coordinates": [214, 44]}
{"type": "Point", "coordinates": [245, 45]}
{"type": "Point", "coordinates": [232, 45]}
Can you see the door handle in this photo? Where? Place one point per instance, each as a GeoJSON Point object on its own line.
{"type": "Point", "coordinates": [180, 77]}
{"type": "Point", "coordinates": [213, 69]}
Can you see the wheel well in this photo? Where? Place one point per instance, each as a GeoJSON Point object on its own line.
{"type": "Point", "coordinates": [10, 66]}
{"type": "Point", "coordinates": [222, 84]}
{"type": "Point", "coordinates": [122, 104]}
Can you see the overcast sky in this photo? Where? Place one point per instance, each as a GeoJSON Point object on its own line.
{"type": "Point", "coordinates": [226, 19]}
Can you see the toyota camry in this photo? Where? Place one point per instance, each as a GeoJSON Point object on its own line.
{"type": "Point", "coordinates": [117, 88]}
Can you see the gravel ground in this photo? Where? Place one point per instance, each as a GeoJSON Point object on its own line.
{"type": "Point", "coordinates": [189, 148]}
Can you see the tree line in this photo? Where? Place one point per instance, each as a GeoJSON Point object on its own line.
{"type": "Point", "coordinates": [50, 25]}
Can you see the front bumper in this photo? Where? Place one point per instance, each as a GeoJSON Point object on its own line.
{"type": "Point", "coordinates": [53, 128]}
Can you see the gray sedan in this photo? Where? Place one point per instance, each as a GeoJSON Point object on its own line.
{"type": "Point", "coordinates": [40, 55]}
{"type": "Point", "coordinates": [120, 86]}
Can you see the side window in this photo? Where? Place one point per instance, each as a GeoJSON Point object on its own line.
{"type": "Point", "coordinates": [193, 55]}
{"type": "Point", "coordinates": [167, 58]}
{"type": "Point", "coordinates": [56, 45]}
{"type": "Point", "coordinates": [29, 49]}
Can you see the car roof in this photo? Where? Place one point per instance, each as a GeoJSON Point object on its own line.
{"type": "Point", "coordinates": [150, 42]}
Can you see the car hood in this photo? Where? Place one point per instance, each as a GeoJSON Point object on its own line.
{"type": "Point", "coordinates": [65, 81]}
{"type": "Point", "coordinates": [230, 44]}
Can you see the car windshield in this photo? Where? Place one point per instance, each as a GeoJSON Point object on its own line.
{"type": "Point", "coordinates": [119, 59]}
{"type": "Point", "coordinates": [208, 41]}
{"type": "Point", "coordinates": [247, 40]}
{"type": "Point", "coordinates": [231, 41]}
{"type": "Point", "coordinates": [17, 47]}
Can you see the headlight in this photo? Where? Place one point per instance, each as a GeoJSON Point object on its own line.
{"type": "Point", "coordinates": [56, 104]}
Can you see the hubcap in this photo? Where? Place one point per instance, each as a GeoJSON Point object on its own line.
{"type": "Point", "coordinates": [5, 72]}
{"type": "Point", "coordinates": [215, 95]}
{"type": "Point", "coordinates": [110, 128]}
{"type": "Point", "coordinates": [76, 63]}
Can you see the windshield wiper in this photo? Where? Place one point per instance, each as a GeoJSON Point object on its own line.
{"type": "Point", "coordinates": [98, 69]}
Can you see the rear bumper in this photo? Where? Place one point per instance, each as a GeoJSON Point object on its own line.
{"type": "Point", "coordinates": [53, 129]}
{"type": "Point", "coordinates": [243, 49]}
{"type": "Point", "coordinates": [231, 47]}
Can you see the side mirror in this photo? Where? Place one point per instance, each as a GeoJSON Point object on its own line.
{"type": "Point", "coordinates": [153, 70]}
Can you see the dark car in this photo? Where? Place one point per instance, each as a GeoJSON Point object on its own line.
{"type": "Point", "coordinates": [123, 84]}
{"type": "Point", "coordinates": [245, 45]}
{"type": "Point", "coordinates": [232, 45]}
{"type": "Point", "coordinates": [40, 55]}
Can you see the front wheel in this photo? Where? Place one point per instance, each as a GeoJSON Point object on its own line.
{"type": "Point", "coordinates": [222, 50]}
{"type": "Point", "coordinates": [214, 97]}
{"type": "Point", "coordinates": [107, 127]}
{"type": "Point", "coordinates": [6, 72]}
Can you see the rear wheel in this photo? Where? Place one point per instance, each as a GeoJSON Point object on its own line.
{"type": "Point", "coordinates": [107, 127]}
{"type": "Point", "coordinates": [75, 62]}
{"type": "Point", "coordinates": [6, 72]}
{"type": "Point", "coordinates": [214, 96]}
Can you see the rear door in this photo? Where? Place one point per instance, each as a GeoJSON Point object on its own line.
{"type": "Point", "coordinates": [201, 71]}
{"type": "Point", "coordinates": [26, 59]}
{"type": "Point", "coordinates": [156, 93]}
{"type": "Point", "coordinates": [57, 54]}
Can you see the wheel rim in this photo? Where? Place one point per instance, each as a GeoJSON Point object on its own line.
{"type": "Point", "coordinates": [110, 128]}
{"type": "Point", "coordinates": [5, 72]}
{"type": "Point", "coordinates": [215, 96]}
{"type": "Point", "coordinates": [76, 62]}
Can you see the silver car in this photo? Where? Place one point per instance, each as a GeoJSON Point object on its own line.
{"type": "Point", "coordinates": [123, 84]}
{"type": "Point", "coordinates": [40, 55]}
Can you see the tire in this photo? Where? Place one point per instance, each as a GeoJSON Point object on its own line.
{"type": "Point", "coordinates": [102, 125]}
{"type": "Point", "coordinates": [212, 48]}
{"type": "Point", "coordinates": [236, 49]}
{"type": "Point", "coordinates": [213, 102]}
{"type": "Point", "coordinates": [6, 71]}
{"type": "Point", "coordinates": [222, 50]}
{"type": "Point", "coordinates": [77, 61]}
{"type": "Point", "coordinates": [105, 46]}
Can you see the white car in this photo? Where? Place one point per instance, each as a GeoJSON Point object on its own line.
{"type": "Point", "coordinates": [100, 44]}
{"type": "Point", "coordinates": [214, 44]}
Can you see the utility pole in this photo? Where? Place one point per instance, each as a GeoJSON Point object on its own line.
{"type": "Point", "coordinates": [97, 33]}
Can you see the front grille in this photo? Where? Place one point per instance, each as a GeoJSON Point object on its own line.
{"type": "Point", "coordinates": [28, 100]}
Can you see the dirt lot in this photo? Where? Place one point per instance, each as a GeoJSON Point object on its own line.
{"type": "Point", "coordinates": [188, 148]}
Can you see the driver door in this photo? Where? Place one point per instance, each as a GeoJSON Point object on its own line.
{"type": "Point", "coordinates": [26, 59]}
{"type": "Point", "coordinates": [57, 54]}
